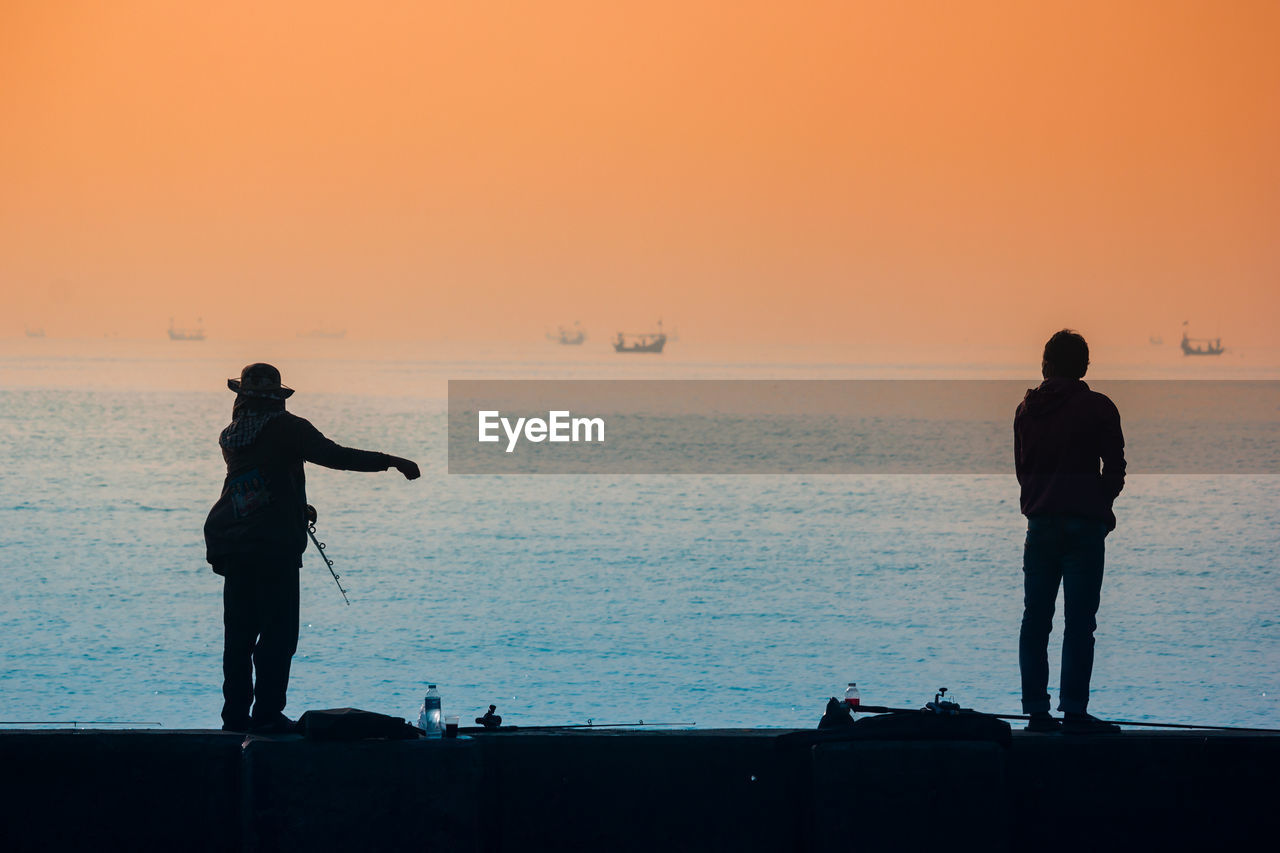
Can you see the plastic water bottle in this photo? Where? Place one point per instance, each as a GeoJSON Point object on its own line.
{"type": "Point", "coordinates": [851, 697]}
{"type": "Point", "coordinates": [429, 718]}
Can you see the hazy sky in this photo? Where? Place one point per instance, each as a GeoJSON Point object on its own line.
{"type": "Point", "coordinates": [908, 171]}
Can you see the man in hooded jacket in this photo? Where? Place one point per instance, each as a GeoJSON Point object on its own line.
{"type": "Point", "coordinates": [1069, 458]}
{"type": "Point", "coordinates": [255, 535]}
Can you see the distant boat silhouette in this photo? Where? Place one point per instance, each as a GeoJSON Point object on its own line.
{"type": "Point", "coordinates": [1156, 340]}
{"type": "Point", "coordinates": [642, 342]}
{"type": "Point", "coordinates": [196, 334]}
{"type": "Point", "coordinates": [1200, 346]}
{"type": "Point", "coordinates": [34, 333]}
{"type": "Point", "coordinates": [569, 338]}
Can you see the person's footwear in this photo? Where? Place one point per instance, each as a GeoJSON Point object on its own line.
{"type": "Point", "coordinates": [233, 722]}
{"type": "Point", "coordinates": [1085, 724]}
{"type": "Point", "coordinates": [277, 725]}
{"type": "Point", "coordinates": [1043, 721]}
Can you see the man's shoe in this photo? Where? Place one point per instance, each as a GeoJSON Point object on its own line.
{"type": "Point", "coordinates": [1084, 724]}
{"type": "Point", "coordinates": [239, 726]}
{"type": "Point", "coordinates": [277, 725]}
{"type": "Point", "coordinates": [1043, 721]}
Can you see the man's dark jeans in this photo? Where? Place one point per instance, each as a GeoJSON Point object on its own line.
{"type": "Point", "coordinates": [260, 612]}
{"type": "Point", "coordinates": [1064, 550]}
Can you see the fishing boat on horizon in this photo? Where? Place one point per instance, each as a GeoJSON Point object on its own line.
{"type": "Point", "coordinates": [196, 334]}
{"type": "Point", "coordinates": [568, 338]}
{"type": "Point", "coordinates": [33, 333]}
{"type": "Point", "coordinates": [641, 341]}
{"type": "Point", "coordinates": [1200, 346]}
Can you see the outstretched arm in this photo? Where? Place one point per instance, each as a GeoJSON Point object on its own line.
{"type": "Point", "coordinates": [322, 451]}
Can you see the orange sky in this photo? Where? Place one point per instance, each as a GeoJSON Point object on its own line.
{"type": "Point", "coordinates": [915, 171]}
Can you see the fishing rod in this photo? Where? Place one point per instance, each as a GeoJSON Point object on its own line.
{"type": "Point", "coordinates": [882, 709]}
{"type": "Point", "coordinates": [491, 721]}
{"type": "Point", "coordinates": [78, 723]}
{"type": "Point", "coordinates": [586, 725]}
{"type": "Point", "coordinates": [311, 531]}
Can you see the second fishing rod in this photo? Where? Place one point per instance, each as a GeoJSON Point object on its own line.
{"type": "Point", "coordinates": [946, 707]}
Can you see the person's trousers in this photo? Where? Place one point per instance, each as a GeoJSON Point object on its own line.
{"type": "Point", "coordinates": [1061, 550]}
{"type": "Point", "coordinates": [260, 614]}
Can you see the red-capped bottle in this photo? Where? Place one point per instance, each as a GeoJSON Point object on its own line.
{"type": "Point", "coordinates": [851, 697]}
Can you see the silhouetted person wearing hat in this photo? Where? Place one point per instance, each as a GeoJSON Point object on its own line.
{"type": "Point", "coordinates": [1069, 457]}
{"type": "Point", "coordinates": [255, 535]}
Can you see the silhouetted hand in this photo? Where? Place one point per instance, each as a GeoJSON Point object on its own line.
{"type": "Point", "coordinates": [406, 467]}
{"type": "Point", "coordinates": [311, 514]}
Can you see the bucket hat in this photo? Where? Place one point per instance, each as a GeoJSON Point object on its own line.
{"type": "Point", "coordinates": [260, 380]}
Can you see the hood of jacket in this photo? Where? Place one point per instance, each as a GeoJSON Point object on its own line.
{"type": "Point", "coordinates": [1051, 395]}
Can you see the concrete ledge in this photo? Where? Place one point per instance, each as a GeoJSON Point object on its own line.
{"type": "Point", "coordinates": [119, 790]}
{"type": "Point", "coordinates": [641, 791]}
{"type": "Point", "coordinates": [633, 791]}
{"type": "Point", "coordinates": [1140, 791]}
{"type": "Point", "coordinates": [368, 795]}
{"type": "Point", "coordinates": [917, 795]}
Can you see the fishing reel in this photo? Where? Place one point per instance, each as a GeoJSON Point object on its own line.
{"type": "Point", "coordinates": [490, 720]}
{"type": "Point", "coordinates": [942, 705]}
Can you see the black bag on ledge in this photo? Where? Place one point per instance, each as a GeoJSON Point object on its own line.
{"type": "Point", "coordinates": [838, 725]}
{"type": "Point", "coordinates": [926, 725]}
{"type": "Point", "coordinates": [837, 716]}
{"type": "Point", "coordinates": [342, 724]}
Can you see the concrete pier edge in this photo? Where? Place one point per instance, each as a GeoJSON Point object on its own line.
{"type": "Point", "coordinates": [620, 790]}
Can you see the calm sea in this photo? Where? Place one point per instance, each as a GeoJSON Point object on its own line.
{"type": "Point", "coordinates": [715, 601]}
